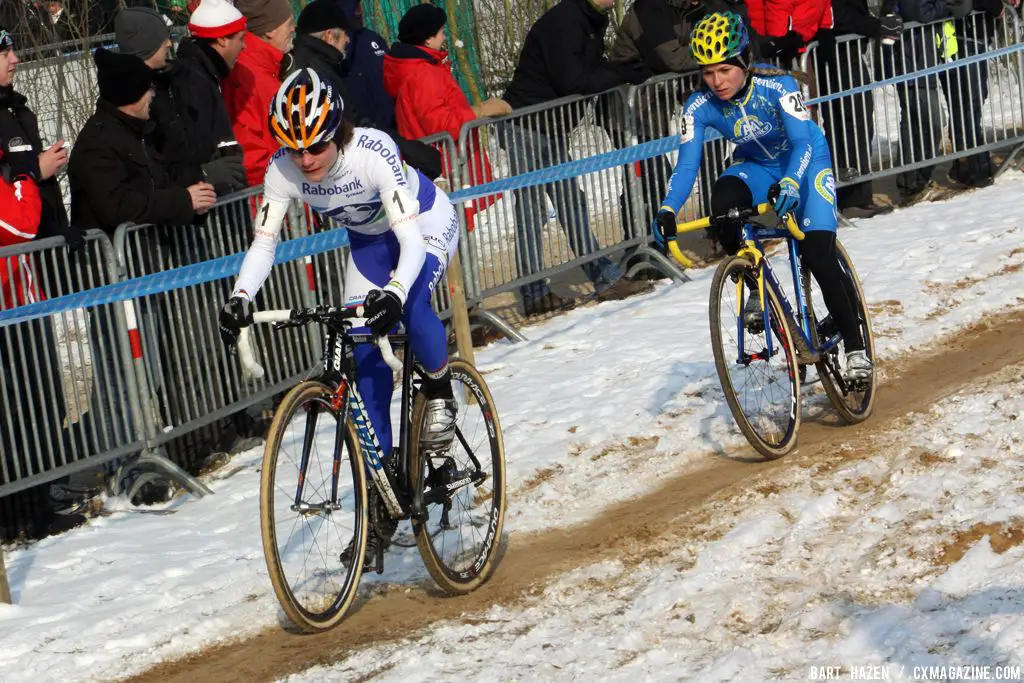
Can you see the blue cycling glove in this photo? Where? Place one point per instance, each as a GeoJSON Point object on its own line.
{"type": "Point", "coordinates": [785, 196]}
{"type": "Point", "coordinates": [664, 226]}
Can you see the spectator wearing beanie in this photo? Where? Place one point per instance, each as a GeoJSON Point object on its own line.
{"type": "Point", "coordinates": [140, 31]}
{"type": "Point", "coordinates": [321, 37]}
{"type": "Point", "coordinates": [116, 174]}
{"type": "Point", "coordinates": [191, 127]}
{"type": "Point", "coordinates": [253, 82]}
{"type": "Point", "coordinates": [427, 97]}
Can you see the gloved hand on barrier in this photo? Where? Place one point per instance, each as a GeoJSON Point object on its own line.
{"type": "Point", "coordinates": [635, 72]}
{"type": "Point", "coordinates": [783, 47]}
{"type": "Point", "coordinates": [383, 310]}
{"type": "Point", "coordinates": [74, 239]}
{"type": "Point", "coordinates": [225, 171]}
{"type": "Point", "coordinates": [784, 196]}
{"type": "Point", "coordinates": [236, 314]}
{"type": "Point", "coordinates": [664, 226]}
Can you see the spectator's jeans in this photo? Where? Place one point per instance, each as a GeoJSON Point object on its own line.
{"type": "Point", "coordinates": [531, 150]}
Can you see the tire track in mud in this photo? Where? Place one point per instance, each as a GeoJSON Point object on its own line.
{"type": "Point", "coordinates": [914, 383]}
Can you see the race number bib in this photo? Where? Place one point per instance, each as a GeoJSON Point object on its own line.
{"type": "Point", "coordinates": [793, 104]}
{"type": "Point", "coordinates": [686, 129]}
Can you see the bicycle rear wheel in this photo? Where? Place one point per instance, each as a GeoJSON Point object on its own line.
{"type": "Point", "coordinates": [312, 505]}
{"type": "Point", "coordinates": [853, 403]}
{"type": "Point", "coordinates": [463, 488]}
{"type": "Point", "coordinates": [762, 390]}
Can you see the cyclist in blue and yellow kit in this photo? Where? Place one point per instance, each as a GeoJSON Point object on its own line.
{"type": "Point", "coordinates": [781, 156]}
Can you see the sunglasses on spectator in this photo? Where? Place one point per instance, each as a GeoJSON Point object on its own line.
{"type": "Point", "coordinates": [313, 150]}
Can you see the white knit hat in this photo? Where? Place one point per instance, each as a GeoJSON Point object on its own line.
{"type": "Point", "coordinates": [215, 19]}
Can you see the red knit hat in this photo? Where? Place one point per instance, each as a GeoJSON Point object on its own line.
{"type": "Point", "coordinates": [215, 19]}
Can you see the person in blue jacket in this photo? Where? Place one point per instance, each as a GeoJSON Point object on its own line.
{"type": "Point", "coordinates": [363, 67]}
{"type": "Point", "coordinates": [781, 156]}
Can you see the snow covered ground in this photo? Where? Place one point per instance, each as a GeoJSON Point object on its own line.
{"type": "Point", "coordinates": [904, 562]}
{"type": "Point", "coordinates": [634, 380]}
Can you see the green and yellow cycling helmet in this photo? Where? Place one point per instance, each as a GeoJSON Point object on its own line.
{"type": "Point", "coordinates": [719, 37]}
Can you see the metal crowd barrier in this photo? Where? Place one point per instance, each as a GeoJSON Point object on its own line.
{"type": "Point", "coordinates": [184, 367]}
{"type": "Point", "coordinates": [68, 399]}
{"type": "Point", "coordinates": [146, 355]}
{"type": "Point", "coordinates": [596, 211]}
{"type": "Point", "coordinates": [908, 127]}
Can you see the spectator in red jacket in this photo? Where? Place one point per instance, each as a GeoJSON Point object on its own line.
{"type": "Point", "coordinates": [21, 211]}
{"type": "Point", "coordinates": [255, 79]}
{"type": "Point", "coordinates": [788, 25]}
{"type": "Point", "coordinates": [427, 97]}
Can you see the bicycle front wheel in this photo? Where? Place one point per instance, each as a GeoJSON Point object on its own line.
{"type": "Point", "coordinates": [463, 487]}
{"type": "Point", "coordinates": [312, 506]}
{"type": "Point", "coordinates": [762, 388]}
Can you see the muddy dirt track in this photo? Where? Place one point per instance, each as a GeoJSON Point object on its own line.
{"type": "Point", "coordinates": [628, 530]}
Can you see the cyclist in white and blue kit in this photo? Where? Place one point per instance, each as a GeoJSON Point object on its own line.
{"type": "Point", "coordinates": [402, 229]}
{"type": "Point", "coordinates": [781, 157]}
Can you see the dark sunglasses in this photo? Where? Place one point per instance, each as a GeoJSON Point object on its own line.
{"type": "Point", "coordinates": [318, 148]}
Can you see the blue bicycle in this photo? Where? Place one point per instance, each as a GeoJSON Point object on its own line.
{"type": "Point", "coordinates": [762, 363]}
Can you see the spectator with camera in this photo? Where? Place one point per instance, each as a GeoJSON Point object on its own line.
{"type": "Point", "coordinates": [19, 132]}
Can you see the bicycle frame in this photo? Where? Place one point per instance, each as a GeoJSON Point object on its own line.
{"type": "Point", "coordinates": [753, 236]}
{"type": "Point", "coordinates": [339, 372]}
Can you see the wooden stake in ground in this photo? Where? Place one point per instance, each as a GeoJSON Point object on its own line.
{"type": "Point", "coordinates": [5, 588]}
{"type": "Point", "coordinates": [460, 313]}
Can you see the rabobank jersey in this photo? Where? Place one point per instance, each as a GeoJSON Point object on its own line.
{"type": "Point", "coordinates": [351, 191]}
{"type": "Point", "coordinates": [368, 191]}
{"type": "Point", "coordinates": [768, 123]}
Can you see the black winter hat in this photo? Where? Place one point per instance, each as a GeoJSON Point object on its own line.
{"type": "Point", "coordinates": [123, 79]}
{"type": "Point", "coordinates": [321, 15]}
{"type": "Point", "coordinates": [420, 23]}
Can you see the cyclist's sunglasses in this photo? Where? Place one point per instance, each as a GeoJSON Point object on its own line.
{"type": "Point", "coordinates": [6, 41]}
{"type": "Point", "coordinates": [318, 148]}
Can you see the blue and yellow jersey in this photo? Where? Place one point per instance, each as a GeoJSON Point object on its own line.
{"type": "Point", "coordinates": [768, 123]}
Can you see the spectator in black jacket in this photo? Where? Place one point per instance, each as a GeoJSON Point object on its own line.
{"type": "Point", "coordinates": [192, 130]}
{"type": "Point", "coordinates": [322, 39]}
{"type": "Point", "coordinates": [563, 55]}
{"type": "Point", "coordinates": [19, 131]}
{"type": "Point", "coordinates": [116, 174]}
{"type": "Point", "coordinates": [849, 122]}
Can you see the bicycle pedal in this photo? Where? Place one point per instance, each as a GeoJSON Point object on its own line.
{"type": "Point", "coordinates": [379, 560]}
